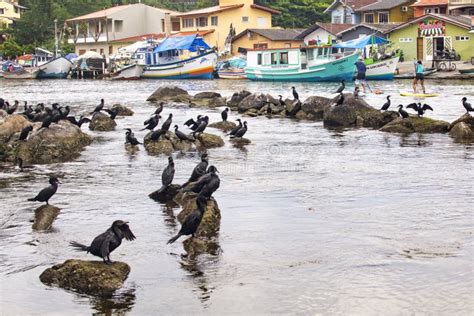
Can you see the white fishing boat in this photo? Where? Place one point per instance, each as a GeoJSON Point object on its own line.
{"type": "Point", "coordinates": [185, 57]}
{"type": "Point", "coordinates": [58, 67]}
{"type": "Point", "coordinates": [22, 74]}
{"type": "Point", "coordinates": [129, 72]}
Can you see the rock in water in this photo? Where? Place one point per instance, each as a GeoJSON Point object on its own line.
{"type": "Point", "coordinates": [12, 124]}
{"type": "Point", "coordinates": [205, 140]}
{"type": "Point", "coordinates": [88, 277]}
{"type": "Point", "coordinates": [462, 131]}
{"type": "Point", "coordinates": [58, 143]}
{"type": "Point", "coordinates": [197, 246]}
{"type": "Point", "coordinates": [102, 122]}
{"type": "Point", "coordinates": [211, 221]}
{"type": "Point", "coordinates": [254, 101]}
{"type": "Point", "coordinates": [45, 216]}
{"type": "Point", "coordinates": [123, 110]}
{"type": "Point", "coordinates": [236, 98]}
{"type": "Point", "coordinates": [170, 93]}
{"type": "Point", "coordinates": [208, 99]}
{"type": "Point", "coordinates": [316, 106]}
{"type": "Point", "coordinates": [223, 126]}
{"type": "Point", "coordinates": [167, 194]}
{"type": "Point", "coordinates": [240, 141]}
{"type": "Point", "coordinates": [415, 124]}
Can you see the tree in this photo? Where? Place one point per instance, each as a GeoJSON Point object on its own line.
{"type": "Point", "coordinates": [10, 49]}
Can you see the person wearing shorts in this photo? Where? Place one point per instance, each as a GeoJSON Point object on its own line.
{"type": "Point", "coordinates": [361, 70]}
{"type": "Point", "coordinates": [419, 76]}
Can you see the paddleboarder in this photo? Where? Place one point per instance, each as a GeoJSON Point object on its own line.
{"type": "Point", "coordinates": [419, 76]}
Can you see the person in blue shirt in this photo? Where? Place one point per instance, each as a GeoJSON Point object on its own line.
{"type": "Point", "coordinates": [361, 70]}
{"type": "Point", "coordinates": [419, 76]}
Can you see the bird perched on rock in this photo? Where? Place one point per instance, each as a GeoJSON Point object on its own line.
{"type": "Point", "coordinates": [386, 105]}
{"type": "Point", "coordinates": [467, 105]}
{"type": "Point", "coordinates": [130, 138]}
{"type": "Point", "coordinates": [295, 94]}
{"type": "Point", "coordinates": [208, 183]}
{"type": "Point", "coordinates": [45, 194]}
{"type": "Point", "coordinates": [99, 107]}
{"type": "Point", "coordinates": [280, 100]}
{"type": "Point", "coordinates": [79, 122]}
{"type": "Point", "coordinates": [241, 132]}
{"type": "Point", "coordinates": [235, 129]}
{"type": "Point", "coordinates": [159, 109]}
{"type": "Point", "coordinates": [168, 175]}
{"type": "Point", "coordinates": [340, 100]}
{"type": "Point", "coordinates": [152, 122]}
{"type": "Point", "coordinates": [113, 112]}
{"type": "Point", "coordinates": [420, 109]}
{"type": "Point", "coordinates": [155, 135]}
{"type": "Point", "coordinates": [24, 132]}
{"type": "Point", "coordinates": [402, 112]}
{"type": "Point", "coordinates": [341, 87]}
{"type": "Point", "coordinates": [11, 109]}
{"type": "Point", "coordinates": [225, 114]}
{"type": "Point", "coordinates": [192, 221]}
{"type": "Point", "coordinates": [202, 125]}
{"type": "Point", "coordinates": [166, 124]}
{"type": "Point", "coordinates": [296, 108]}
{"type": "Point", "coordinates": [198, 171]}
{"type": "Point", "coordinates": [64, 112]}
{"type": "Point", "coordinates": [193, 124]}
{"type": "Point", "coordinates": [182, 136]}
{"type": "Point", "coordinates": [103, 245]}
{"type": "Point", "coordinates": [48, 120]}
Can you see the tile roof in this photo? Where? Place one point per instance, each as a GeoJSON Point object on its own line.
{"type": "Point", "coordinates": [261, 7]}
{"type": "Point", "coordinates": [422, 3]}
{"type": "Point", "coordinates": [273, 34]}
{"type": "Point", "coordinates": [186, 33]}
{"type": "Point", "coordinates": [106, 12]}
{"type": "Point", "coordinates": [334, 29]}
{"type": "Point", "coordinates": [210, 10]}
{"type": "Point", "coordinates": [383, 5]}
{"type": "Point", "coordinates": [353, 4]}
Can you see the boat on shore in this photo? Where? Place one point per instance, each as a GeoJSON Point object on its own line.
{"type": "Point", "coordinates": [56, 68]}
{"type": "Point", "coordinates": [305, 64]}
{"type": "Point", "coordinates": [233, 68]}
{"type": "Point", "coordinates": [129, 72]}
{"type": "Point", "coordinates": [185, 57]}
{"type": "Point", "coordinates": [22, 74]}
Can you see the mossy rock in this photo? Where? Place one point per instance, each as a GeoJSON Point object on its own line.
{"type": "Point", "coordinates": [197, 246]}
{"type": "Point", "coordinates": [316, 106]}
{"type": "Point", "coordinates": [88, 277]}
{"type": "Point", "coordinates": [224, 126]}
{"type": "Point", "coordinates": [12, 124]}
{"type": "Point", "coordinates": [166, 195]}
{"type": "Point", "coordinates": [206, 140]}
{"type": "Point", "coordinates": [208, 99]}
{"type": "Point", "coordinates": [123, 110]}
{"type": "Point", "coordinates": [415, 124]}
{"type": "Point", "coordinates": [240, 141]}
{"type": "Point", "coordinates": [45, 216]}
{"type": "Point", "coordinates": [170, 93]}
{"type": "Point", "coordinates": [102, 123]}
{"type": "Point", "coordinates": [462, 131]}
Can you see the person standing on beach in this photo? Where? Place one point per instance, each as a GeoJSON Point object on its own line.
{"type": "Point", "coordinates": [361, 70]}
{"type": "Point", "coordinates": [419, 76]}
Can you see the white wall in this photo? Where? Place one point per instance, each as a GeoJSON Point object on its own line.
{"type": "Point", "coordinates": [323, 36]}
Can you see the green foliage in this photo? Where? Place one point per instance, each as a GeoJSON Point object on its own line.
{"type": "Point", "coordinates": [10, 49]}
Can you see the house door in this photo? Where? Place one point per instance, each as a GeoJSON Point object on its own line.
{"type": "Point", "coordinates": [438, 43]}
{"type": "Point", "coordinates": [419, 48]}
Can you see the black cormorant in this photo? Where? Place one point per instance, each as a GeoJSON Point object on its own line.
{"type": "Point", "coordinates": [155, 135]}
{"type": "Point", "coordinates": [467, 105]}
{"type": "Point", "coordinates": [103, 245]}
{"type": "Point", "coordinates": [81, 121]}
{"type": "Point", "coordinates": [168, 174]}
{"type": "Point", "coordinates": [208, 183]}
{"type": "Point", "coordinates": [341, 87]}
{"type": "Point", "coordinates": [45, 194]}
{"type": "Point", "coordinates": [295, 94]}
{"type": "Point", "coordinates": [25, 131]}
{"type": "Point", "coordinates": [198, 171]}
{"type": "Point", "coordinates": [225, 114]}
{"type": "Point", "coordinates": [130, 138]}
{"type": "Point", "coordinates": [159, 109]}
{"type": "Point", "coordinates": [166, 124]}
{"type": "Point", "coordinates": [182, 136]}
{"type": "Point", "coordinates": [420, 109]}
{"type": "Point", "coordinates": [296, 108]}
{"type": "Point", "coordinates": [402, 112]}
{"type": "Point", "coordinates": [202, 125]}
{"type": "Point", "coordinates": [235, 129]}
{"type": "Point", "coordinates": [99, 107]}
{"type": "Point", "coordinates": [152, 122]}
{"type": "Point", "coordinates": [386, 105]}
{"type": "Point", "coordinates": [340, 100]}
{"type": "Point", "coordinates": [192, 221]}
{"type": "Point", "coordinates": [113, 112]}
{"type": "Point", "coordinates": [241, 132]}
{"type": "Point", "coordinates": [280, 100]}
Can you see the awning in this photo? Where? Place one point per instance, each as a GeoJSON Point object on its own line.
{"type": "Point", "coordinates": [362, 42]}
{"type": "Point", "coordinates": [191, 43]}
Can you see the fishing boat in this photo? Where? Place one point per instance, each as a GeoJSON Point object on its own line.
{"type": "Point", "coordinates": [381, 68]}
{"type": "Point", "coordinates": [233, 68]}
{"type": "Point", "coordinates": [308, 63]}
{"type": "Point", "coordinates": [184, 57]}
{"type": "Point", "coordinates": [129, 72]}
{"type": "Point", "coordinates": [468, 71]}
{"type": "Point", "coordinates": [57, 68]}
{"type": "Point", "coordinates": [22, 74]}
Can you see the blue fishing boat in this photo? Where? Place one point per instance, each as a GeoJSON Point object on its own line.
{"type": "Point", "coordinates": [307, 63]}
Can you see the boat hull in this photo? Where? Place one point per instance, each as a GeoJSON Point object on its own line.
{"type": "Point", "coordinates": [57, 68]}
{"type": "Point", "coordinates": [199, 67]}
{"type": "Point", "coordinates": [234, 75]}
{"type": "Point", "coordinates": [21, 74]}
{"type": "Point", "coordinates": [382, 70]}
{"type": "Point", "coordinates": [130, 72]}
{"type": "Point", "coordinates": [335, 70]}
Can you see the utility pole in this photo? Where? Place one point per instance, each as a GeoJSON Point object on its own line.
{"type": "Point", "coordinates": [56, 37]}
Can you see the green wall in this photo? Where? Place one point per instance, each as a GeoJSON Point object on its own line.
{"type": "Point", "coordinates": [464, 48]}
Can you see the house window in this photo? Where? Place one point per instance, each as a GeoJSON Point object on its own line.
{"type": "Point", "coordinates": [369, 18]}
{"type": "Point", "coordinates": [201, 21]}
{"type": "Point", "coordinates": [462, 38]}
{"type": "Point", "coordinates": [287, 45]}
{"type": "Point", "coordinates": [405, 40]}
{"type": "Point", "coordinates": [214, 20]}
{"type": "Point", "coordinates": [82, 52]}
{"type": "Point", "coordinates": [274, 59]}
{"type": "Point", "coordinates": [118, 25]}
{"type": "Point", "coordinates": [102, 51]}
{"type": "Point", "coordinates": [261, 22]}
{"type": "Point", "coordinates": [284, 58]}
{"type": "Point", "coordinates": [111, 50]}
{"type": "Point", "coordinates": [383, 17]}
{"type": "Point", "coordinates": [260, 46]}
{"type": "Point", "coordinates": [348, 19]}
{"type": "Point", "coordinates": [2, 11]}
{"type": "Point", "coordinates": [245, 19]}
{"type": "Point", "coordinates": [188, 23]}
{"type": "Point", "coordinates": [336, 19]}
{"type": "Point", "coordinates": [259, 59]}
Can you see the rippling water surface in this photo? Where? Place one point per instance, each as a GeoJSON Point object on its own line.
{"type": "Point", "coordinates": [313, 220]}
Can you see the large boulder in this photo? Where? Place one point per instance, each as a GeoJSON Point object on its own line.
{"type": "Point", "coordinates": [88, 277]}
{"type": "Point", "coordinates": [123, 110]}
{"type": "Point", "coordinates": [224, 126]}
{"type": "Point", "coordinates": [211, 220]}
{"type": "Point", "coordinates": [167, 144]}
{"type": "Point", "coordinates": [165, 195]}
{"type": "Point", "coordinates": [102, 122]}
{"type": "Point", "coordinates": [208, 99]}
{"type": "Point", "coordinates": [45, 216]}
{"type": "Point", "coordinates": [315, 107]}
{"type": "Point", "coordinates": [415, 124]}
{"type": "Point", "coordinates": [254, 101]}
{"type": "Point", "coordinates": [197, 246]}
{"type": "Point", "coordinates": [236, 98]}
{"type": "Point", "coordinates": [206, 140]}
{"type": "Point", "coordinates": [59, 143]}
{"type": "Point", "coordinates": [170, 93]}
{"type": "Point", "coordinates": [12, 124]}
{"type": "Point", "coordinates": [462, 128]}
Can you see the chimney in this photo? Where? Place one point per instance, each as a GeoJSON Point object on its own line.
{"type": "Point", "coordinates": [168, 25]}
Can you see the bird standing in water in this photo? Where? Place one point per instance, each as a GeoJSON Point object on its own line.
{"type": "Point", "coordinates": [168, 175]}
{"type": "Point", "coordinates": [386, 105]}
{"type": "Point", "coordinates": [403, 114]}
{"type": "Point", "coordinates": [225, 114]}
{"type": "Point", "coordinates": [295, 94]}
{"type": "Point", "coordinates": [103, 245]}
{"type": "Point", "coordinates": [192, 221]}
{"type": "Point", "coordinates": [467, 105]}
{"type": "Point", "coordinates": [198, 171]}
{"type": "Point", "coordinates": [45, 194]}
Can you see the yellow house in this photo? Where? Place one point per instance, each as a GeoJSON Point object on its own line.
{"type": "Point", "coordinates": [9, 12]}
{"type": "Point", "coordinates": [266, 38]}
{"type": "Point", "coordinates": [216, 21]}
{"type": "Point", "coordinates": [387, 11]}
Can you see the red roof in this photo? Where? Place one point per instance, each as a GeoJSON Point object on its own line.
{"type": "Point", "coordinates": [423, 3]}
{"type": "Point", "coordinates": [261, 7]}
{"type": "Point", "coordinates": [210, 10]}
{"type": "Point", "coordinates": [140, 38]}
{"type": "Point", "coordinates": [100, 14]}
{"type": "Point", "coordinates": [201, 33]}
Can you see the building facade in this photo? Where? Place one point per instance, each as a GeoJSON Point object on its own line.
{"type": "Point", "coordinates": [10, 11]}
{"type": "Point", "coordinates": [344, 11]}
{"type": "Point", "coordinates": [422, 37]}
{"type": "Point", "coordinates": [266, 38]}
{"type": "Point", "coordinates": [387, 11]}
{"type": "Point", "coordinates": [324, 33]}
{"type": "Point", "coordinates": [423, 7]}
{"type": "Point", "coordinates": [217, 20]}
{"type": "Point", "coordinates": [108, 30]}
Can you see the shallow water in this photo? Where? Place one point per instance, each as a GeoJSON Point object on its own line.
{"type": "Point", "coordinates": [313, 220]}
